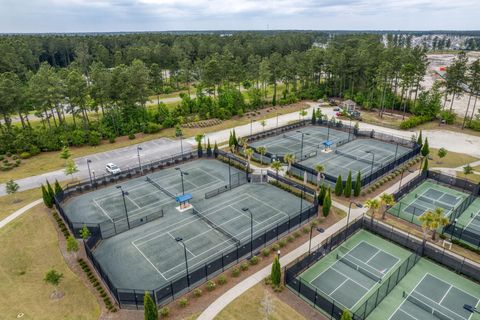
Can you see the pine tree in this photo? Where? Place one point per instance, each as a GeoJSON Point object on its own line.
{"type": "Point", "coordinates": [420, 139]}
{"type": "Point", "coordinates": [276, 274]}
{"type": "Point", "coordinates": [84, 232]}
{"type": "Point", "coordinates": [209, 149]}
{"type": "Point", "coordinates": [425, 149]}
{"type": "Point", "coordinates": [230, 141]}
{"type": "Point", "coordinates": [72, 244]}
{"type": "Point", "coordinates": [215, 149]}
{"type": "Point", "coordinates": [339, 186]}
{"type": "Point", "coordinates": [65, 153]}
{"type": "Point", "coordinates": [327, 203]}
{"type": "Point", "coordinates": [346, 315]}
{"type": "Point", "coordinates": [314, 117]}
{"type": "Point", "coordinates": [358, 185]}
{"type": "Point", "coordinates": [321, 194]}
{"type": "Point", "coordinates": [50, 190]}
{"type": "Point", "coordinates": [57, 187]}
{"type": "Point", "coordinates": [150, 310]}
{"type": "Point", "coordinates": [235, 141]}
{"type": "Point", "coordinates": [425, 165]}
{"type": "Point", "coordinates": [348, 186]}
{"type": "Point", "coordinates": [47, 199]}
{"type": "Point", "coordinates": [199, 149]}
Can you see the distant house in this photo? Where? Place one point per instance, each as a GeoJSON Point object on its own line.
{"type": "Point", "coordinates": [349, 105]}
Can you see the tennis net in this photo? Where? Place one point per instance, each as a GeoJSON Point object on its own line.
{"type": "Point", "coordinates": [435, 202]}
{"type": "Point", "coordinates": [159, 187]}
{"type": "Point", "coordinates": [361, 266]}
{"type": "Point", "coordinates": [216, 227]}
{"type": "Point", "coordinates": [367, 161]}
{"type": "Point", "coordinates": [432, 307]}
{"type": "Point", "coordinates": [316, 145]}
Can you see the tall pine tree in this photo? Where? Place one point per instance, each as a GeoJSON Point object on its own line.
{"type": "Point", "coordinates": [348, 186]}
{"type": "Point", "coordinates": [339, 186]}
{"type": "Point", "coordinates": [150, 310]}
{"type": "Point", "coordinates": [358, 185]}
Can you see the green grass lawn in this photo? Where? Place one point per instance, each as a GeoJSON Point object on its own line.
{"type": "Point", "coordinates": [249, 306]}
{"type": "Point", "coordinates": [451, 160]}
{"type": "Point", "coordinates": [29, 249]}
{"type": "Point", "coordinates": [11, 203]}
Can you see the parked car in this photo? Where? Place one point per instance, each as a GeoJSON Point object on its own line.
{"type": "Point", "coordinates": [336, 109]}
{"type": "Point", "coordinates": [112, 168]}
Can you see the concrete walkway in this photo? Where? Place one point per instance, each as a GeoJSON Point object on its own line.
{"type": "Point", "coordinates": [218, 305]}
{"type": "Point", "coordinates": [19, 212]}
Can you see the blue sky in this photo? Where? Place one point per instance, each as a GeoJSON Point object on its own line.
{"type": "Point", "coordinates": [160, 15]}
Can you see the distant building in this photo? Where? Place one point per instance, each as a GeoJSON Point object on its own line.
{"type": "Point", "coordinates": [349, 105]}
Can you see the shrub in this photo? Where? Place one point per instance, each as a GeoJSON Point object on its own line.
{"type": "Point", "coordinates": [222, 279]}
{"type": "Point", "coordinates": [290, 239]}
{"type": "Point", "coordinates": [275, 247]}
{"type": "Point", "coordinates": [244, 266]}
{"type": "Point", "coordinates": [94, 138]}
{"type": "Point", "coordinates": [25, 155]}
{"type": "Point", "coordinates": [8, 154]}
{"type": "Point", "coordinates": [235, 272]}
{"type": "Point", "coordinates": [414, 121]}
{"type": "Point", "coordinates": [448, 116]}
{"type": "Point", "coordinates": [131, 136]}
{"type": "Point", "coordinates": [151, 127]}
{"type": "Point", "coordinates": [14, 157]}
{"type": "Point", "coordinates": [254, 260]}
{"type": "Point", "coordinates": [182, 303]}
{"type": "Point", "coordinates": [197, 293]}
{"type": "Point", "coordinates": [305, 230]}
{"type": "Point", "coordinates": [282, 243]}
{"type": "Point", "coordinates": [296, 234]}
{"type": "Point", "coordinates": [266, 252]}
{"type": "Point", "coordinates": [164, 312]}
{"type": "Point", "coordinates": [211, 285]}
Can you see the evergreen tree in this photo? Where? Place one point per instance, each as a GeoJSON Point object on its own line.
{"type": "Point", "coordinates": [420, 139]}
{"type": "Point", "coordinates": [321, 194]}
{"type": "Point", "coordinates": [209, 149]}
{"type": "Point", "coordinates": [235, 140]}
{"type": "Point", "coordinates": [11, 187]}
{"type": "Point", "coordinates": [84, 233]}
{"type": "Point", "coordinates": [215, 149]}
{"type": "Point", "coordinates": [57, 187]}
{"type": "Point", "coordinates": [72, 244]}
{"type": "Point", "coordinates": [150, 310]}
{"type": "Point", "coordinates": [358, 185]}
{"type": "Point", "coordinates": [348, 186]}
{"type": "Point", "coordinates": [231, 143]}
{"type": "Point", "coordinates": [425, 149]}
{"type": "Point", "coordinates": [276, 274]}
{"type": "Point", "coordinates": [339, 186]}
{"type": "Point", "coordinates": [65, 153]}
{"type": "Point", "coordinates": [50, 190]}
{"type": "Point", "coordinates": [425, 165]}
{"type": "Point", "coordinates": [327, 203]}
{"type": "Point", "coordinates": [314, 117]}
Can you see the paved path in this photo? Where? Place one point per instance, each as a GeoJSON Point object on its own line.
{"type": "Point", "coordinates": [19, 212]}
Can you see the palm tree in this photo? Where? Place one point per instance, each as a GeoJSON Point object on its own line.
{"type": "Point", "coordinates": [320, 168]}
{"type": "Point", "coordinates": [243, 142]}
{"type": "Point", "coordinates": [262, 151]}
{"type": "Point", "coordinates": [467, 170]}
{"type": "Point", "coordinates": [276, 165]}
{"type": "Point", "coordinates": [372, 204]}
{"type": "Point", "coordinates": [289, 158]}
{"type": "Point", "coordinates": [386, 200]}
{"type": "Point", "coordinates": [432, 220]}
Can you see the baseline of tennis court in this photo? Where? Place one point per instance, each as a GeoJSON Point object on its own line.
{"type": "Point", "coordinates": [435, 299]}
{"type": "Point", "coordinates": [355, 273]}
{"type": "Point", "coordinates": [474, 224]}
{"type": "Point", "coordinates": [162, 251]}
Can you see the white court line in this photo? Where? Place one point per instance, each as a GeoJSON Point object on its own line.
{"type": "Point", "coordinates": [338, 271]}
{"type": "Point", "coordinates": [408, 314]}
{"type": "Point", "coordinates": [243, 214]}
{"type": "Point", "coordinates": [467, 293]}
{"type": "Point", "coordinates": [133, 202]}
{"type": "Point", "coordinates": [185, 247]}
{"type": "Point", "coordinates": [341, 284]}
{"type": "Point", "coordinates": [446, 292]}
{"type": "Point", "coordinates": [150, 262]}
{"type": "Point", "coordinates": [473, 222]}
{"type": "Point", "coordinates": [405, 299]}
{"type": "Point", "coordinates": [102, 210]}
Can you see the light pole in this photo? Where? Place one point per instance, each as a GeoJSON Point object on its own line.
{"type": "Point", "coordinates": [328, 130]}
{"type": "Point", "coordinates": [350, 128]}
{"type": "Point", "coordinates": [358, 205]}
{"type": "Point", "coordinates": [125, 193]}
{"type": "Point", "coordinates": [401, 177]}
{"type": "Point", "coordinates": [229, 172]}
{"type": "Point", "coordinates": [138, 156]}
{"type": "Point", "coordinates": [321, 230]}
{"type": "Point", "coordinates": [373, 162]}
{"type": "Point", "coordinates": [396, 151]}
{"type": "Point", "coordinates": [89, 173]}
{"type": "Point", "coordinates": [277, 119]}
{"type": "Point", "coordinates": [179, 239]}
{"type": "Point", "coordinates": [301, 148]}
{"type": "Point", "coordinates": [94, 179]}
{"type": "Point", "coordinates": [182, 173]}
{"type": "Point", "coordinates": [453, 231]}
{"type": "Point", "coordinates": [251, 229]}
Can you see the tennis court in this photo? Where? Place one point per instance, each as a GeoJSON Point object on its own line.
{"type": "Point", "coordinates": [467, 226]}
{"type": "Point", "coordinates": [427, 196]}
{"type": "Point", "coordinates": [291, 142]}
{"type": "Point", "coordinates": [434, 298]}
{"type": "Point", "coordinates": [149, 256]}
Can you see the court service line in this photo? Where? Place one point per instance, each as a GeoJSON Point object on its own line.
{"type": "Point", "coordinates": [102, 210]}
{"type": "Point", "coordinates": [338, 271]}
{"type": "Point", "coordinates": [459, 289]}
{"type": "Point", "coordinates": [405, 299]}
{"type": "Point", "coordinates": [149, 262]}
{"type": "Point", "coordinates": [185, 247]}
{"type": "Point", "coordinates": [339, 286]}
{"type": "Point", "coordinates": [446, 292]}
